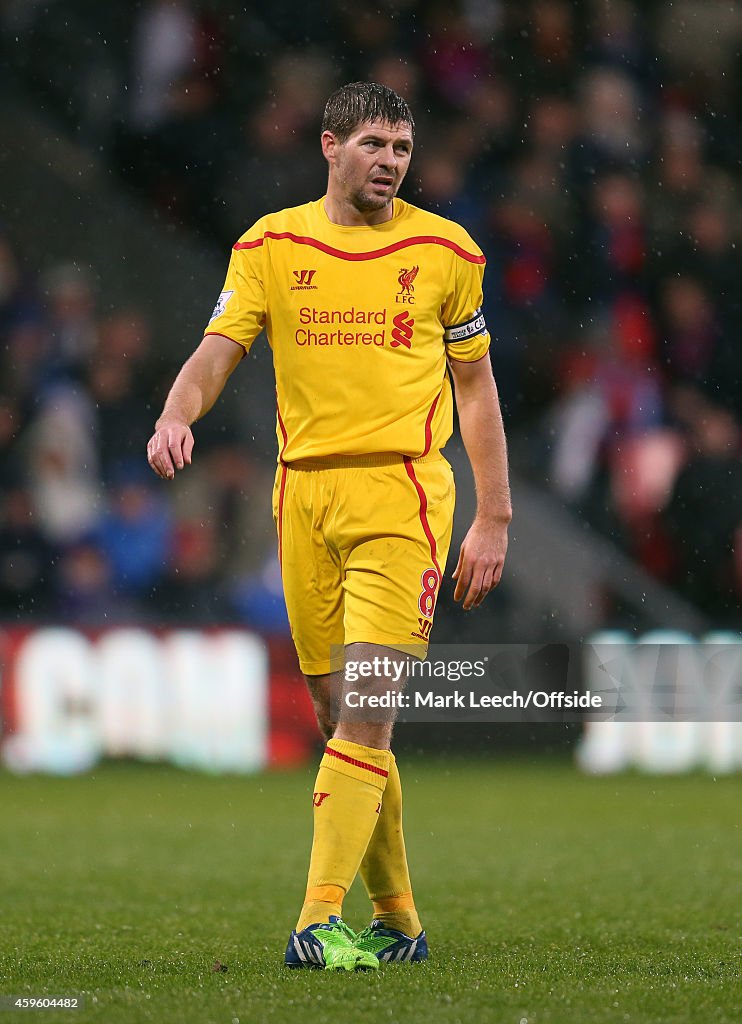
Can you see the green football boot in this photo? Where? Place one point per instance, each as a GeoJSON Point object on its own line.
{"type": "Point", "coordinates": [330, 947]}
{"type": "Point", "coordinates": [390, 946]}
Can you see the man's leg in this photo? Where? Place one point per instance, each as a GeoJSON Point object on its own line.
{"type": "Point", "coordinates": [345, 581]}
{"type": "Point", "coordinates": [348, 797]}
{"type": "Point", "coordinates": [320, 688]}
{"type": "Point", "coordinates": [384, 866]}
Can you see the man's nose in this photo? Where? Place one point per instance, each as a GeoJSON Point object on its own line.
{"type": "Point", "coordinates": [388, 158]}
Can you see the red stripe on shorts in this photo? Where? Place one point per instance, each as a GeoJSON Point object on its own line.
{"type": "Point", "coordinates": [280, 514]}
{"type": "Point", "coordinates": [423, 513]}
{"type": "Point", "coordinates": [358, 764]}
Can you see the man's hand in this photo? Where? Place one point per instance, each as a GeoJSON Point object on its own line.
{"type": "Point", "coordinates": [170, 448]}
{"type": "Point", "coordinates": [481, 560]}
{"type": "Point", "coordinates": [196, 388]}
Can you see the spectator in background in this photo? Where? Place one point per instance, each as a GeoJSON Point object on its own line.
{"type": "Point", "coordinates": [11, 419]}
{"type": "Point", "coordinates": [25, 348]}
{"type": "Point", "coordinates": [119, 419]}
{"type": "Point", "coordinates": [692, 332]}
{"type": "Point", "coordinates": [543, 46]}
{"type": "Point", "coordinates": [613, 134]}
{"type": "Point", "coordinates": [610, 394]}
{"type": "Point", "coordinates": [135, 534]}
{"type": "Point", "coordinates": [27, 564]}
{"type": "Point", "coordinates": [704, 516]}
{"type": "Point", "coordinates": [707, 253]}
{"type": "Point", "coordinates": [192, 591]}
{"type": "Point", "coordinates": [699, 41]}
{"type": "Point", "coordinates": [175, 110]}
{"type": "Point", "coordinates": [258, 598]}
{"type": "Point", "coordinates": [679, 177]}
{"type": "Point", "coordinates": [164, 47]}
{"type": "Point", "coordinates": [125, 340]}
{"type": "Point", "coordinates": [443, 188]}
{"type": "Point", "coordinates": [182, 178]}
{"type": "Point", "coordinates": [707, 250]}
{"type": "Point", "coordinates": [18, 299]}
{"type": "Point", "coordinates": [539, 175]}
{"type": "Point", "coordinates": [84, 592]}
{"type": "Point", "coordinates": [276, 158]}
{"type": "Point", "coordinates": [455, 56]}
{"type": "Point", "coordinates": [73, 332]}
{"type": "Point", "coordinates": [617, 251]}
{"type": "Point", "coordinates": [527, 255]}
{"type": "Point", "coordinates": [63, 469]}
{"type": "Point", "coordinates": [398, 71]}
{"type": "Point", "coordinates": [491, 122]}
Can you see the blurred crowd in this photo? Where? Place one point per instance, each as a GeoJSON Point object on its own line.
{"type": "Point", "coordinates": [592, 149]}
{"type": "Point", "coordinates": [87, 533]}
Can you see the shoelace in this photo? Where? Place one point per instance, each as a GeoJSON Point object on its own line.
{"type": "Point", "coordinates": [345, 930]}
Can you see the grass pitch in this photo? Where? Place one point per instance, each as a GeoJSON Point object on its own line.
{"type": "Point", "coordinates": [549, 898]}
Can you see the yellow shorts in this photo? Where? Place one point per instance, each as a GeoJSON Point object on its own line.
{"type": "Point", "coordinates": [363, 542]}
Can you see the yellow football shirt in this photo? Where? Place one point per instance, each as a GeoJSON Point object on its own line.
{"type": "Point", "coordinates": [360, 321]}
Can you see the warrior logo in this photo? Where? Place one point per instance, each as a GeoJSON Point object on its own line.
{"type": "Point", "coordinates": [402, 330]}
{"type": "Point", "coordinates": [303, 280]}
{"type": "Point", "coordinates": [406, 287]}
{"type": "Point", "coordinates": [317, 798]}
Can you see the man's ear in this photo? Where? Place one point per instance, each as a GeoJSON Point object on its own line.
{"type": "Point", "coordinates": [329, 146]}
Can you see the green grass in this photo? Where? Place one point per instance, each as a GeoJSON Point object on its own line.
{"type": "Point", "coordinates": [547, 896]}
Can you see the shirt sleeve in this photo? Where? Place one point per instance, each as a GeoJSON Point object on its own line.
{"type": "Point", "coordinates": [465, 332]}
{"type": "Point", "coordinates": [239, 313]}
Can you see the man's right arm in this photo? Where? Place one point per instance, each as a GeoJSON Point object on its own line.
{"type": "Point", "coordinates": [196, 388]}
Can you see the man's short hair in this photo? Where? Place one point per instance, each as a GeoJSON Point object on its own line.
{"type": "Point", "coordinates": [360, 102]}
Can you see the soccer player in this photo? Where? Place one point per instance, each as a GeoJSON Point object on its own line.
{"type": "Point", "coordinates": [368, 303]}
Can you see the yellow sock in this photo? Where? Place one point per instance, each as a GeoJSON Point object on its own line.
{"type": "Point", "coordinates": [347, 800]}
{"type": "Point", "coordinates": [384, 868]}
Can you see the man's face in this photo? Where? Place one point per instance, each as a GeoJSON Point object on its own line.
{"type": "Point", "coordinates": [368, 168]}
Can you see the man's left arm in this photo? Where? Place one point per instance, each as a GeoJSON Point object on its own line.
{"type": "Point", "coordinates": [482, 554]}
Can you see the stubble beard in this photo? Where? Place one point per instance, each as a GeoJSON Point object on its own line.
{"type": "Point", "coordinates": [364, 202]}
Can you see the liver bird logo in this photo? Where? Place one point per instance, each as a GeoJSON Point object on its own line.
{"type": "Point", "coordinates": [406, 277]}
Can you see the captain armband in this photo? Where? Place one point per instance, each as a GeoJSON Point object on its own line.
{"type": "Point", "coordinates": [476, 325]}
